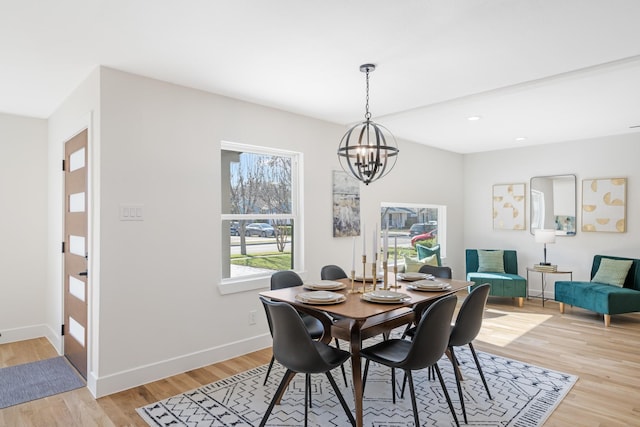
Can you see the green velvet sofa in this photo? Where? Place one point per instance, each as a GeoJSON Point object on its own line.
{"type": "Point", "coordinates": [600, 297]}
{"type": "Point", "coordinates": [507, 284]}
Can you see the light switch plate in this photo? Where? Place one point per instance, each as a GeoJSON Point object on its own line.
{"type": "Point", "coordinates": [131, 212]}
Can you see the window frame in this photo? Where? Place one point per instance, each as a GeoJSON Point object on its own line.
{"type": "Point", "coordinates": [442, 220]}
{"type": "Point", "coordinates": [262, 280]}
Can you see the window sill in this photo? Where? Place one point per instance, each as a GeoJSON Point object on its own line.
{"type": "Point", "coordinates": [244, 284]}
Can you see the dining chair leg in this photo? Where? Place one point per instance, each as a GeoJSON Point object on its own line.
{"type": "Point", "coordinates": [266, 377]}
{"type": "Point", "coordinates": [285, 381]}
{"type": "Point", "coordinates": [307, 386]}
{"type": "Point", "coordinates": [404, 333]}
{"type": "Point", "coordinates": [456, 366]}
{"type": "Point", "coordinates": [412, 392]}
{"type": "Point", "coordinates": [475, 358]}
{"type": "Point", "coordinates": [344, 373]}
{"type": "Point", "coordinates": [307, 395]}
{"type": "Point", "coordinates": [430, 376]}
{"type": "Point", "coordinates": [341, 398]}
{"type": "Point", "coordinates": [446, 394]}
{"type": "Point", "coordinates": [393, 385]}
{"type": "Point", "coordinates": [364, 375]}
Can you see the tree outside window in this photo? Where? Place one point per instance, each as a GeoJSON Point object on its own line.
{"type": "Point", "coordinates": [259, 210]}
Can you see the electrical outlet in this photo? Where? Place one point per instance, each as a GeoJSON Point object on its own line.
{"type": "Point", "coordinates": [252, 317]}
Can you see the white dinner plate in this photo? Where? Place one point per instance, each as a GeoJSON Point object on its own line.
{"type": "Point", "coordinates": [413, 287]}
{"type": "Point", "coordinates": [383, 296]}
{"type": "Point", "coordinates": [329, 285]}
{"type": "Point", "coordinates": [320, 297]}
{"type": "Point", "coordinates": [410, 277]}
{"type": "Point", "coordinates": [369, 278]}
{"type": "Point", "coordinates": [431, 284]}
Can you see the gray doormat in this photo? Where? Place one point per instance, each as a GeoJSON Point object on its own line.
{"type": "Point", "coordinates": [35, 380]}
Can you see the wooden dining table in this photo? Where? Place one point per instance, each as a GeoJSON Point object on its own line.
{"type": "Point", "coordinates": [357, 315]}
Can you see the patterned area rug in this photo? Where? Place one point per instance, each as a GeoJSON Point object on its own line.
{"type": "Point", "coordinates": [523, 396]}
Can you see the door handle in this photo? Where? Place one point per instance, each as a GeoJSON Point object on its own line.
{"type": "Point", "coordinates": [84, 273]}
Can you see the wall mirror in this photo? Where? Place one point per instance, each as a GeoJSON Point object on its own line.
{"type": "Point", "coordinates": [553, 204]}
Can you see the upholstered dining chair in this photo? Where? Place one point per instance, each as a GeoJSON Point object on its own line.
{"type": "Point", "coordinates": [294, 349]}
{"type": "Point", "coordinates": [332, 272]}
{"type": "Point", "coordinates": [427, 347]}
{"type": "Point", "coordinates": [287, 279]}
{"type": "Point", "coordinates": [465, 330]}
{"type": "Point", "coordinates": [440, 272]}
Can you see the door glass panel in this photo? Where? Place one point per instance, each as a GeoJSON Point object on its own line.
{"type": "Point", "coordinates": [76, 330]}
{"type": "Point", "coordinates": [76, 245]}
{"type": "Point", "coordinates": [76, 160]}
{"type": "Point", "coordinates": [76, 202]}
{"type": "Point", "coordinates": [76, 288]}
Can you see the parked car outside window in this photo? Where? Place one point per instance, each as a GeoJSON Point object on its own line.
{"type": "Point", "coordinates": [259, 229]}
{"type": "Point", "coordinates": [425, 236]}
{"type": "Point", "coordinates": [422, 227]}
{"type": "Point", "coordinates": [233, 229]}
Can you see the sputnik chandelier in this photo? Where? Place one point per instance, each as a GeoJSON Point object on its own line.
{"type": "Point", "coordinates": [365, 151]}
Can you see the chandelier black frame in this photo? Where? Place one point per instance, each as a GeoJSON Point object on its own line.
{"type": "Point", "coordinates": [365, 151]}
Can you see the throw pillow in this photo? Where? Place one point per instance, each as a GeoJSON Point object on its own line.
{"type": "Point", "coordinates": [424, 251]}
{"type": "Point", "coordinates": [490, 261]}
{"type": "Point", "coordinates": [612, 271]}
{"type": "Point", "coordinates": [412, 265]}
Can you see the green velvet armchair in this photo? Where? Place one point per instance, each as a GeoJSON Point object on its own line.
{"type": "Point", "coordinates": [505, 283]}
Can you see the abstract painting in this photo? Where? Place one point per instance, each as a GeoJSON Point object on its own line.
{"type": "Point", "coordinates": [346, 205]}
{"type": "Point", "coordinates": [508, 207]}
{"type": "Point", "coordinates": [604, 205]}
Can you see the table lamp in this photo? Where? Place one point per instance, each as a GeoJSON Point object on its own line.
{"type": "Point", "coordinates": [545, 236]}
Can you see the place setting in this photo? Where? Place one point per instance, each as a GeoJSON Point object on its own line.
{"type": "Point", "coordinates": [428, 285]}
{"type": "Point", "coordinates": [324, 285]}
{"type": "Point", "coordinates": [385, 297]}
{"type": "Point", "coordinates": [320, 297]}
{"type": "Point", "coordinates": [412, 276]}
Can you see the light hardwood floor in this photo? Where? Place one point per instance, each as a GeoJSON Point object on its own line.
{"type": "Point", "coordinates": [607, 362]}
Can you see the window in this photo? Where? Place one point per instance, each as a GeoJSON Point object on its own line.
{"type": "Point", "coordinates": [409, 224]}
{"type": "Point", "coordinates": [260, 213]}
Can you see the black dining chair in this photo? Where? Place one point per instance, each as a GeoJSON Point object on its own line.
{"type": "Point", "coordinates": [332, 272]}
{"type": "Point", "coordinates": [287, 279]}
{"type": "Point", "coordinates": [439, 272]}
{"type": "Point", "coordinates": [465, 330]}
{"type": "Point", "coordinates": [294, 349]}
{"type": "Point", "coordinates": [427, 347]}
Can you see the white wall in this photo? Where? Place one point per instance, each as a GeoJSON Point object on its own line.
{"type": "Point", "coordinates": [615, 156]}
{"type": "Point", "coordinates": [23, 227]}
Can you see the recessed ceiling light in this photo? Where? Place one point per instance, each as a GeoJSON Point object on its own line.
{"type": "Point", "coordinates": [473, 118]}
{"type": "Point", "coordinates": [521, 138]}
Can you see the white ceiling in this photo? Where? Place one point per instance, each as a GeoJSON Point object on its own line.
{"type": "Point", "coordinates": [547, 70]}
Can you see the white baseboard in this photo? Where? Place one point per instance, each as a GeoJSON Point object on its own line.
{"type": "Point", "coordinates": [31, 332]}
{"type": "Point", "coordinates": [113, 383]}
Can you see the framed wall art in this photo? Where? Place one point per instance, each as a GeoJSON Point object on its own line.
{"type": "Point", "coordinates": [604, 205]}
{"type": "Point", "coordinates": [509, 207]}
{"type": "Point", "coordinates": [346, 205]}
